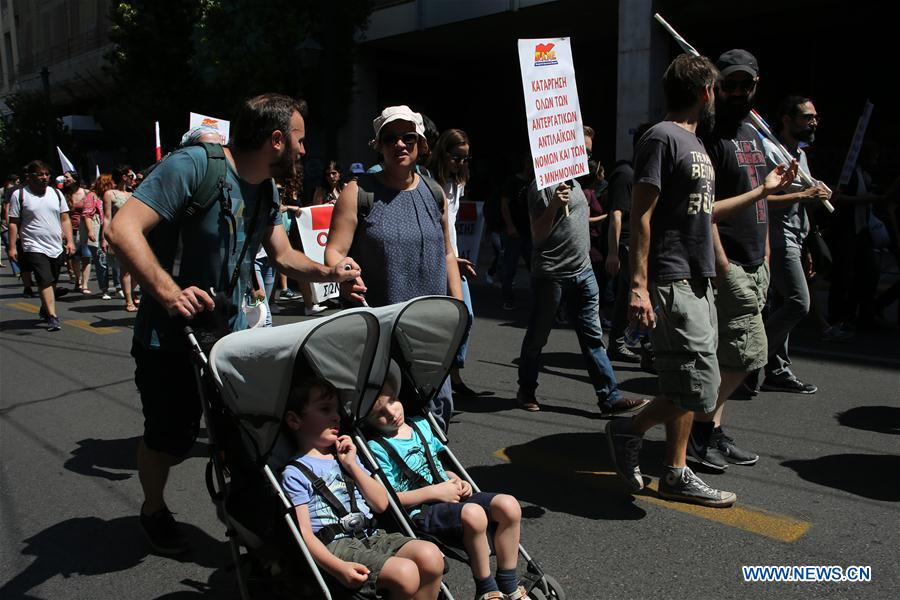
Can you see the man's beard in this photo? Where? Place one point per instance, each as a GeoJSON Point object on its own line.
{"type": "Point", "coordinates": [707, 119]}
{"type": "Point", "coordinates": [285, 167]}
{"type": "Point", "coordinates": [731, 112]}
{"type": "Point", "coordinates": [70, 188]}
{"type": "Point", "coordinates": [807, 135]}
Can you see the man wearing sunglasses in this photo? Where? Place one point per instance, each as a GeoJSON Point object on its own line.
{"type": "Point", "coordinates": [741, 216]}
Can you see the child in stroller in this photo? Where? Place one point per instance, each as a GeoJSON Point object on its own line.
{"type": "Point", "coordinates": [440, 503]}
{"type": "Point", "coordinates": [331, 492]}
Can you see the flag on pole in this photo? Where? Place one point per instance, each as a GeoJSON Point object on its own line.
{"type": "Point", "coordinates": [158, 144]}
{"type": "Point", "coordinates": [65, 162]}
{"type": "Point", "coordinates": [97, 174]}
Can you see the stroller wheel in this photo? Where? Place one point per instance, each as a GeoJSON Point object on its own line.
{"type": "Point", "coordinates": [554, 590]}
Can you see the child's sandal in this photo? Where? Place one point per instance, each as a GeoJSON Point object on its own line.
{"type": "Point", "coordinates": [519, 594]}
{"type": "Point", "coordinates": [491, 596]}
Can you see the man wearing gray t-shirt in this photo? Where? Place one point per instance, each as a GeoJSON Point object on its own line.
{"type": "Point", "coordinates": [561, 272]}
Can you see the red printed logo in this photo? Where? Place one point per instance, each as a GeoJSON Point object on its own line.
{"type": "Point", "coordinates": [544, 55]}
{"type": "Point", "coordinates": [321, 219]}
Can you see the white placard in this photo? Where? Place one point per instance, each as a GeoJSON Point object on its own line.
{"type": "Point", "coordinates": [313, 223]}
{"type": "Point", "coordinates": [469, 229]}
{"type": "Point", "coordinates": [555, 128]}
{"type": "Point", "coordinates": [223, 126]}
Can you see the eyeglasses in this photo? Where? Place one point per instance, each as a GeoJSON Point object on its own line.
{"type": "Point", "coordinates": [460, 158]}
{"type": "Point", "coordinates": [810, 117]}
{"type": "Point", "coordinates": [408, 139]}
{"type": "Point", "coordinates": [130, 175]}
{"type": "Point", "coordinates": [731, 85]}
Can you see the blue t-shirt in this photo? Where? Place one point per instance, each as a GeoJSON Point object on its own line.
{"type": "Point", "coordinates": [300, 491]}
{"type": "Point", "coordinates": [412, 452]}
{"type": "Point", "coordinates": [209, 251]}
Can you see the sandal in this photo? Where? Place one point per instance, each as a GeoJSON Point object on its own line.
{"type": "Point", "coordinates": [131, 308]}
{"type": "Point", "coordinates": [519, 594]}
{"type": "Point", "coordinates": [87, 292]}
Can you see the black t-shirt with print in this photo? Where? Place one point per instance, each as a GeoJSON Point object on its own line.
{"type": "Point", "coordinates": [740, 163]}
{"type": "Point", "coordinates": [675, 161]}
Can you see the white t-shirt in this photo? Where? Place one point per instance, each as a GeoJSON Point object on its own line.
{"type": "Point", "coordinates": [39, 226]}
{"type": "Point", "coordinates": [454, 192]}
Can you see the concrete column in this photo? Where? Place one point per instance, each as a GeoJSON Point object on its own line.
{"type": "Point", "coordinates": [357, 130]}
{"type": "Point", "coordinates": [641, 63]}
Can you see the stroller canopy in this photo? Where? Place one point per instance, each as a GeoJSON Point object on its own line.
{"type": "Point", "coordinates": [254, 369]}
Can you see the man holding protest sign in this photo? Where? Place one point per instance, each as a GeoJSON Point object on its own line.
{"type": "Point", "coordinates": [671, 292]}
{"type": "Point", "coordinates": [219, 241]}
{"type": "Point", "coordinates": [561, 272]}
{"type": "Point", "coordinates": [741, 221]}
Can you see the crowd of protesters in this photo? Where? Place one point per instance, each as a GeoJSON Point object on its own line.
{"type": "Point", "coordinates": [695, 255]}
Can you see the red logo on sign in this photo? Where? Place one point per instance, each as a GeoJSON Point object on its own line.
{"type": "Point", "coordinates": [544, 55]}
{"type": "Point", "coordinates": [321, 216]}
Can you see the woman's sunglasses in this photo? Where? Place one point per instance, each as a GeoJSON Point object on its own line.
{"type": "Point", "coordinates": [460, 158]}
{"type": "Point", "coordinates": [408, 139]}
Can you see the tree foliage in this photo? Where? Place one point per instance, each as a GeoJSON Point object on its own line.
{"type": "Point", "coordinates": [171, 57]}
{"type": "Point", "coordinates": [24, 136]}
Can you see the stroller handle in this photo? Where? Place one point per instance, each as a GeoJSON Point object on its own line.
{"type": "Point", "coordinates": [196, 350]}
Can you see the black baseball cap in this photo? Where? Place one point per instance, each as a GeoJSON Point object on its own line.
{"type": "Point", "coordinates": [737, 60]}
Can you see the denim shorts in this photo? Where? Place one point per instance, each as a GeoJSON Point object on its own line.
{"type": "Point", "coordinates": [444, 519]}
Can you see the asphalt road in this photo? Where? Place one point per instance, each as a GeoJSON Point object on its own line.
{"type": "Point", "coordinates": [826, 490]}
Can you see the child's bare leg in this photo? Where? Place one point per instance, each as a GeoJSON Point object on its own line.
{"type": "Point", "coordinates": [508, 514]}
{"type": "Point", "coordinates": [400, 577]}
{"type": "Point", "coordinates": [430, 564]}
{"type": "Point", "coordinates": [475, 523]}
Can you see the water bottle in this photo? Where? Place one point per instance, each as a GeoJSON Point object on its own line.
{"type": "Point", "coordinates": [635, 334]}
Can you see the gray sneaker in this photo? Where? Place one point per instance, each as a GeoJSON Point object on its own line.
{"type": "Point", "coordinates": [684, 486]}
{"type": "Point", "coordinates": [624, 449]}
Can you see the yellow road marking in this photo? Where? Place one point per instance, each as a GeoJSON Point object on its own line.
{"type": "Point", "coordinates": [753, 520]}
{"type": "Point", "coordinates": [31, 308]}
{"type": "Point", "coordinates": [81, 324]}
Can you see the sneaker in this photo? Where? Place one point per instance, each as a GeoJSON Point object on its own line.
{"type": "Point", "coordinates": [527, 401]}
{"type": "Point", "coordinates": [510, 306]}
{"type": "Point", "coordinates": [288, 294]}
{"type": "Point", "coordinates": [836, 334]}
{"type": "Point", "coordinates": [624, 449]}
{"type": "Point", "coordinates": [622, 406]}
{"type": "Point", "coordinates": [495, 595]}
{"type": "Point", "coordinates": [791, 385]}
{"type": "Point", "coordinates": [519, 594]}
{"type": "Point", "coordinates": [162, 532]}
{"type": "Point", "coordinates": [707, 454]}
{"type": "Point", "coordinates": [682, 485]}
{"type": "Point", "coordinates": [120, 293]}
{"type": "Point", "coordinates": [106, 296]}
{"type": "Point", "coordinates": [726, 448]}
{"type": "Point", "coordinates": [53, 324]}
{"type": "Point", "coordinates": [624, 354]}
{"type": "Point", "coordinates": [315, 309]}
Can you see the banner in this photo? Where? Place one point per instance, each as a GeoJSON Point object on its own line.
{"type": "Point", "coordinates": [223, 126]}
{"type": "Point", "coordinates": [313, 223]}
{"type": "Point", "coordinates": [555, 128]}
{"type": "Point", "coordinates": [856, 145]}
{"type": "Point", "coordinates": [469, 229]}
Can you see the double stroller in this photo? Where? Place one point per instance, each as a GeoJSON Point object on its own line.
{"type": "Point", "coordinates": [245, 382]}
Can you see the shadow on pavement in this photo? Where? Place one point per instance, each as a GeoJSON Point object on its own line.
{"type": "Point", "coordinates": [102, 458]}
{"type": "Point", "coordinates": [20, 324]}
{"type": "Point", "coordinates": [880, 419]}
{"type": "Point", "coordinates": [644, 386]}
{"type": "Point", "coordinates": [92, 546]}
{"type": "Point", "coordinates": [575, 462]}
{"type": "Point", "coordinates": [868, 475]}
{"type": "Point", "coordinates": [100, 308]}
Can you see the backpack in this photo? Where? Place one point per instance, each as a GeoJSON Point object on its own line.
{"type": "Point", "coordinates": [366, 198]}
{"type": "Point", "coordinates": [213, 183]}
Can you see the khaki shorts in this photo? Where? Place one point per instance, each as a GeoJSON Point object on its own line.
{"type": "Point", "coordinates": [739, 302]}
{"type": "Point", "coordinates": [684, 343]}
{"type": "Point", "coordinates": [382, 546]}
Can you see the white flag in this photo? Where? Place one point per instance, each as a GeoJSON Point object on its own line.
{"type": "Point", "coordinates": [97, 174]}
{"type": "Point", "coordinates": [65, 162]}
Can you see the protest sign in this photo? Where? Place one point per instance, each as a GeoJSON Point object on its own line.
{"type": "Point", "coordinates": [222, 125]}
{"type": "Point", "coordinates": [313, 223]}
{"type": "Point", "coordinates": [555, 128]}
{"type": "Point", "coordinates": [469, 228]}
{"type": "Point", "coordinates": [856, 145]}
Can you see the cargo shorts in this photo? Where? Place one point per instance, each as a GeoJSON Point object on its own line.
{"type": "Point", "coordinates": [740, 299]}
{"type": "Point", "coordinates": [684, 343]}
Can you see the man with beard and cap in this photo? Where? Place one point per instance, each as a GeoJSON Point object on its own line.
{"type": "Point", "coordinates": [671, 293]}
{"type": "Point", "coordinates": [788, 227]}
{"type": "Point", "coordinates": [193, 263]}
{"type": "Point", "coordinates": [740, 236]}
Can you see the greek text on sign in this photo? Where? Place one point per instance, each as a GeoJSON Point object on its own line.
{"type": "Point", "coordinates": [555, 128]}
{"type": "Point", "coordinates": [469, 229]}
{"type": "Point", "coordinates": [313, 223]}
